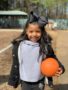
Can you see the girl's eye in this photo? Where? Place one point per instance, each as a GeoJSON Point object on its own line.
{"type": "Point", "coordinates": [31, 31]}
{"type": "Point", "coordinates": [38, 31]}
{"type": "Point", "coordinates": [35, 31]}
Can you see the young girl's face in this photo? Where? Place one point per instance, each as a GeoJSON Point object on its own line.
{"type": "Point", "coordinates": [33, 32]}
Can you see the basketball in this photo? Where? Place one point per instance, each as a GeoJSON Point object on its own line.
{"type": "Point", "coordinates": [49, 67]}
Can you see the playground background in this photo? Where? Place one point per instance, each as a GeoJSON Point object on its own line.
{"type": "Point", "coordinates": [60, 45]}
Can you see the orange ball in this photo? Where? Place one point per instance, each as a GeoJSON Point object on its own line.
{"type": "Point", "coordinates": [49, 67]}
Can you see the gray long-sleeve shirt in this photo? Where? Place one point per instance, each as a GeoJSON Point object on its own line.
{"type": "Point", "coordinates": [29, 61]}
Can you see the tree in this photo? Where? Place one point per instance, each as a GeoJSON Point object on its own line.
{"type": "Point", "coordinates": [3, 4]}
{"type": "Point", "coordinates": [55, 8]}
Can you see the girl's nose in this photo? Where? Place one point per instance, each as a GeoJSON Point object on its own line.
{"type": "Point", "coordinates": [34, 34]}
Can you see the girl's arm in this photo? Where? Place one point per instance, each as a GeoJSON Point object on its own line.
{"type": "Point", "coordinates": [52, 54]}
{"type": "Point", "coordinates": [14, 74]}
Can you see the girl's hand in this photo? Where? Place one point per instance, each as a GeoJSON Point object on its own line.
{"type": "Point", "coordinates": [59, 72]}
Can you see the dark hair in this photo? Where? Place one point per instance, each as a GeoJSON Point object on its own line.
{"type": "Point", "coordinates": [45, 38]}
{"type": "Point", "coordinates": [43, 41]}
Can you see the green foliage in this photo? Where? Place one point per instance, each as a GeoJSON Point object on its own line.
{"type": "Point", "coordinates": [52, 3]}
{"type": "Point", "coordinates": [35, 1]}
{"type": "Point", "coordinates": [49, 3]}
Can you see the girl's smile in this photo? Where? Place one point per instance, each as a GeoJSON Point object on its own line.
{"type": "Point", "coordinates": [33, 32]}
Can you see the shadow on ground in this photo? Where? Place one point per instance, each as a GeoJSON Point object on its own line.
{"type": "Point", "coordinates": [3, 78]}
{"type": "Point", "coordinates": [61, 87]}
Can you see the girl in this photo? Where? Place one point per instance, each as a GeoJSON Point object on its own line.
{"type": "Point", "coordinates": [28, 52]}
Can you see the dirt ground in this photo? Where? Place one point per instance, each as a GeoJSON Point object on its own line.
{"type": "Point", "coordinates": [6, 57]}
{"type": "Point", "coordinates": [60, 44]}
